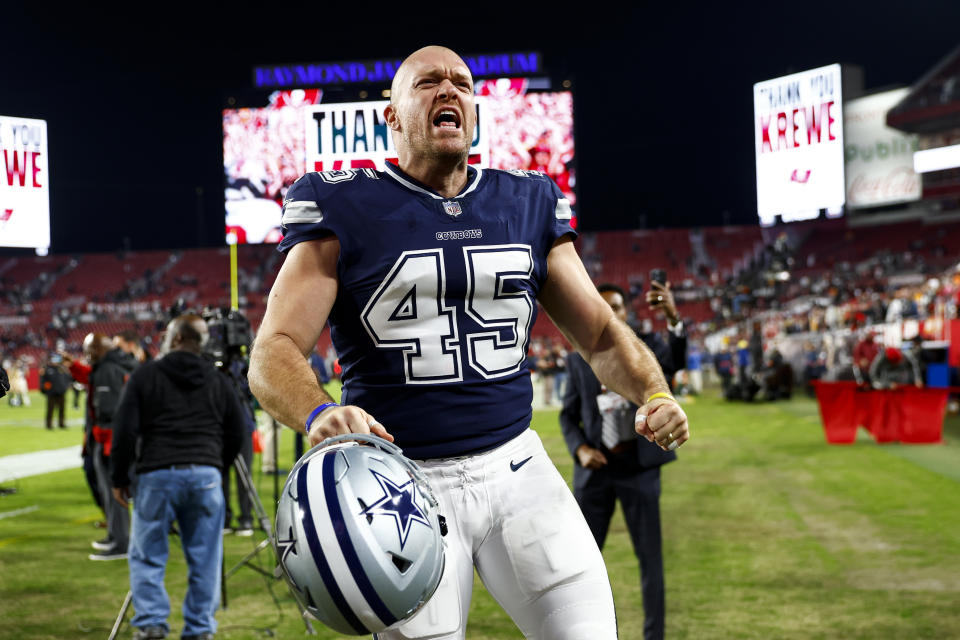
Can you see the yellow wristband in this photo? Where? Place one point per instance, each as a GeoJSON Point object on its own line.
{"type": "Point", "coordinates": [661, 394]}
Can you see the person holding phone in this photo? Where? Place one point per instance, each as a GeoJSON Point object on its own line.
{"type": "Point", "coordinates": [671, 353]}
{"type": "Point", "coordinates": [611, 463]}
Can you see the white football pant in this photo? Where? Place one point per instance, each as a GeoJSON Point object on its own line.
{"type": "Point", "coordinates": [510, 514]}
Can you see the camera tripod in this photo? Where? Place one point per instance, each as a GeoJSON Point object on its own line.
{"type": "Point", "coordinates": [243, 473]}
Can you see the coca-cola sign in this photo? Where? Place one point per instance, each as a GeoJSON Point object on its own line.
{"type": "Point", "coordinates": [879, 160]}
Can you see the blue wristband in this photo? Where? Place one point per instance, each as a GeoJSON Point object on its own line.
{"type": "Point", "coordinates": [313, 414]}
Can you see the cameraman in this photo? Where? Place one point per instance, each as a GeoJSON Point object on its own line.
{"type": "Point", "coordinates": [184, 419]}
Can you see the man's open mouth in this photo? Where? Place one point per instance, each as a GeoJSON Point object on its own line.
{"type": "Point", "coordinates": [447, 119]}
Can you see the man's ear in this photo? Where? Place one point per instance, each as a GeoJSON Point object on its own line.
{"type": "Point", "coordinates": [390, 115]}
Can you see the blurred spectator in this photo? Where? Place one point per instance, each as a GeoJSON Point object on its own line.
{"type": "Point", "coordinates": [776, 377]}
{"type": "Point", "coordinates": [19, 393]}
{"type": "Point", "coordinates": [865, 353]}
{"type": "Point", "coordinates": [77, 388]}
{"type": "Point", "coordinates": [923, 357]}
{"type": "Point", "coordinates": [756, 346]}
{"type": "Point", "coordinates": [814, 366]}
{"type": "Point", "coordinates": [129, 341]}
{"type": "Point", "coordinates": [892, 368]}
{"type": "Point", "coordinates": [694, 368]}
{"type": "Point", "coordinates": [560, 369]}
{"type": "Point", "coordinates": [902, 306]}
{"type": "Point", "coordinates": [746, 387]}
{"type": "Point", "coordinates": [723, 365]}
{"type": "Point", "coordinates": [55, 381]}
{"type": "Point", "coordinates": [547, 365]}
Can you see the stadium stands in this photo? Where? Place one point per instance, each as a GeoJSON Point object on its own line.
{"type": "Point", "coordinates": [720, 275]}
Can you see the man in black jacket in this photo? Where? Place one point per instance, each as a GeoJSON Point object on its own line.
{"type": "Point", "coordinates": [612, 463]}
{"type": "Point", "coordinates": [186, 422]}
{"type": "Point", "coordinates": [110, 369]}
{"type": "Point", "coordinates": [55, 381]}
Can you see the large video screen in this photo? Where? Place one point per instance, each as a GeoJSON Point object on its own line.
{"type": "Point", "coordinates": [25, 184]}
{"type": "Point", "coordinates": [798, 137]}
{"type": "Point", "coordinates": [266, 149]}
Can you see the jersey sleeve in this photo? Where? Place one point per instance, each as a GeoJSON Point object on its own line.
{"type": "Point", "coordinates": [303, 213]}
{"type": "Point", "coordinates": [561, 222]}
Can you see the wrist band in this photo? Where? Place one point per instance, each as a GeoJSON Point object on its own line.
{"type": "Point", "coordinates": [313, 414]}
{"type": "Point", "coordinates": [661, 394]}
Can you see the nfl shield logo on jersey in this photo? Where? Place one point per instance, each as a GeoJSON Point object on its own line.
{"type": "Point", "coordinates": [452, 208]}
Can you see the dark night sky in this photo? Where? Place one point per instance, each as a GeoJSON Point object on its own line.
{"type": "Point", "coordinates": [663, 96]}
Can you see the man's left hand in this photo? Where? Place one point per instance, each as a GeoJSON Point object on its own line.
{"type": "Point", "coordinates": [121, 495]}
{"type": "Point", "coordinates": [664, 422]}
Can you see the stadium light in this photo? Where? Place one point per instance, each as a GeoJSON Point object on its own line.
{"type": "Point", "coordinates": [936, 159]}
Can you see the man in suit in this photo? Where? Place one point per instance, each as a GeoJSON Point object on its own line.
{"type": "Point", "coordinates": [612, 463]}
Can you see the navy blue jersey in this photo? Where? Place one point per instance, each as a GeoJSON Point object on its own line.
{"type": "Point", "coordinates": [437, 297]}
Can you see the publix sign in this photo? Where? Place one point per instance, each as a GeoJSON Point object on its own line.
{"type": "Point", "coordinates": [878, 159]}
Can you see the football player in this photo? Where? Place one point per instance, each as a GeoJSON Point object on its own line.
{"type": "Point", "coordinates": [429, 273]}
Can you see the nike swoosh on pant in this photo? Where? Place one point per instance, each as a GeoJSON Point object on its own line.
{"type": "Point", "coordinates": [516, 465]}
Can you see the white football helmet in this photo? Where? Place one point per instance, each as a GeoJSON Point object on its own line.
{"type": "Point", "coordinates": [358, 535]}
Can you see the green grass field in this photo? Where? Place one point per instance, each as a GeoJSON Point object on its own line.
{"type": "Point", "coordinates": [768, 533]}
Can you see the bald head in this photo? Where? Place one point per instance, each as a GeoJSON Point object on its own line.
{"type": "Point", "coordinates": [428, 53]}
{"type": "Point", "coordinates": [95, 346]}
{"type": "Point", "coordinates": [431, 112]}
{"type": "Point", "coordinates": [186, 333]}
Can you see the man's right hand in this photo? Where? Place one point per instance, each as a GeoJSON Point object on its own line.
{"type": "Point", "coordinates": [590, 458]}
{"type": "Point", "coordinates": [337, 421]}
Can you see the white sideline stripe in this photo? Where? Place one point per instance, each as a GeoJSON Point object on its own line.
{"type": "Point", "coordinates": [18, 512]}
{"type": "Point", "coordinates": [331, 548]}
{"type": "Point", "coordinates": [24, 465]}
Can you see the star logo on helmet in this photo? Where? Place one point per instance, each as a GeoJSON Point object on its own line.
{"type": "Point", "coordinates": [400, 503]}
{"type": "Point", "coordinates": [286, 547]}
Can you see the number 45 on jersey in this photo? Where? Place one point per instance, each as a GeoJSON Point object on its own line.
{"type": "Point", "coordinates": [409, 312]}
